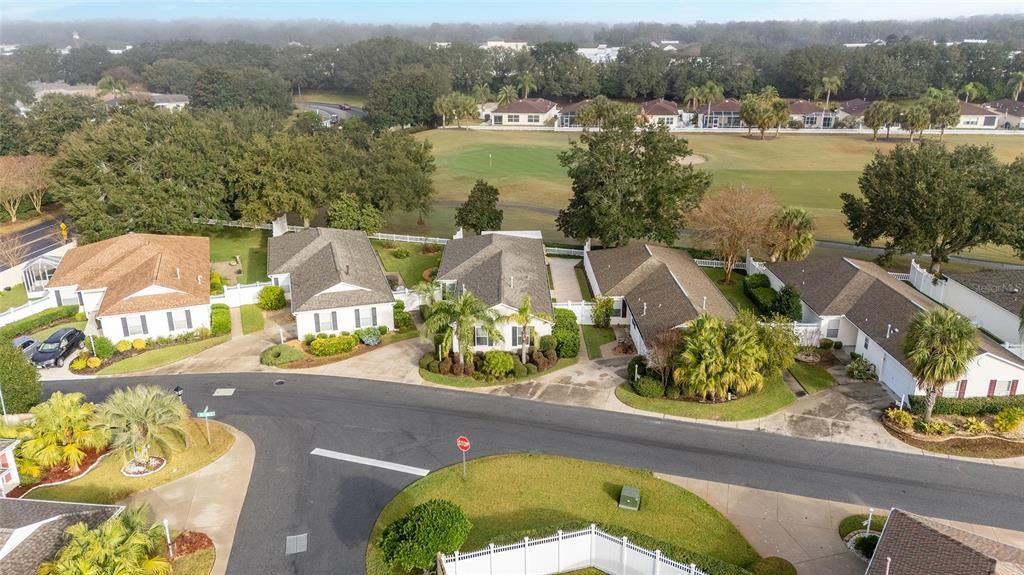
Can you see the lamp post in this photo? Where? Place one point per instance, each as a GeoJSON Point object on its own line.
{"type": "Point", "coordinates": [167, 534]}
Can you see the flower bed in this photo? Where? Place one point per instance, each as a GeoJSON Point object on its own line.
{"type": "Point", "coordinates": [298, 354]}
{"type": "Point", "coordinates": [107, 354]}
{"type": "Point", "coordinates": [134, 469]}
{"type": "Point", "coordinates": [971, 436]}
{"type": "Point", "coordinates": [61, 474]}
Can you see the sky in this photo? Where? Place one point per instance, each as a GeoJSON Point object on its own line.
{"type": "Point", "coordinates": [428, 11]}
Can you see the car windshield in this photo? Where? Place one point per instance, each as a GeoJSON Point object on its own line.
{"type": "Point", "coordinates": [50, 346]}
{"type": "Point", "coordinates": [26, 344]}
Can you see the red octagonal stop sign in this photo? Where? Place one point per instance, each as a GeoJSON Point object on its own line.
{"type": "Point", "coordinates": [463, 443]}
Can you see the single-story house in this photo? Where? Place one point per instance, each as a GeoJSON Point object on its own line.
{"type": "Point", "coordinates": [811, 114]}
{"type": "Point", "coordinates": [567, 114]}
{"type": "Point", "coordinates": [334, 279]}
{"type": "Point", "coordinates": [992, 299]}
{"type": "Point", "coordinates": [32, 531]}
{"type": "Point", "coordinates": [603, 53]}
{"type": "Point", "coordinates": [975, 116]}
{"type": "Point", "coordinates": [138, 285]}
{"type": "Point", "coordinates": [914, 545]}
{"type": "Point", "coordinates": [653, 289]}
{"type": "Point", "coordinates": [524, 112]}
{"type": "Point", "coordinates": [869, 311]}
{"type": "Point", "coordinates": [724, 114]}
{"type": "Point", "coordinates": [500, 268]}
{"type": "Point", "coordinates": [1011, 113]}
{"type": "Point", "coordinates": [9, 478]}
{"type": "Point", "coordinates": [661, 112]}
{"type": "Point", "coordinates": [852, 111]}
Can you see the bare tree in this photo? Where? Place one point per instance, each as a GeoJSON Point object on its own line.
{"type": "Point", "coordinates": [661, 352]}
{"type": "Point", "coordinates": [23, 177]}
{"type": "Point", "coordinates": [12, 250]}
{"type": "Point", "coordinates": [733, 220]}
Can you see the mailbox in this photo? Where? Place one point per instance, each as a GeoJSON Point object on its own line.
{"type": "Point", "coordinates": [629, 498]}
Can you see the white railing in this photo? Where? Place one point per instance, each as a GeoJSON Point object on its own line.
{"type": "Point", "coordinates": [236, 224]}
{"type": "Point", "coordinates": [564, 552]}
{"type": "Point", "coordinates": [809, 334]}
{"type": "Point", "coordinates": [900, 276]}
{"type": "Point", "coordinates": [584, 310]}
{"type": "Point", "coordinates": [926, 283]}
{"type": "Point", "coordinates": [240, 294]}
{"type": "Point", "coordinates": [411, 299]}
{"type": "Point", "coordinates": [563, 252]}
{"type": "Point", "coordinates": [22, 311]}
{"type": "Point", "coordinates": [719, 264]}
{"type": "Point", "coordinates": [408, 239]}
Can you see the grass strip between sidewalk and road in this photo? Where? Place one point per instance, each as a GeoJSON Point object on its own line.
{"type": "Point", "coordinates": [160, 357]}
{"type": "Point", "coordinates": [252, 318]}
{"type": "Point", "coordinates": [772, 398]}
{"type": "Point", "coordinates": [595, 337]}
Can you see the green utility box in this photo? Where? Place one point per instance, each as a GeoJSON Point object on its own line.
{"type": "Point", "coordinates": [629, 498]}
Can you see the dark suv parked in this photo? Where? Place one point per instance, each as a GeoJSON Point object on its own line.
{"type": "Point", "coordinates": [57, 347]}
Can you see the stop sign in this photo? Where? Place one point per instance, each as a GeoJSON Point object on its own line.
{"type": "Point", "coordinates": [463, 443]}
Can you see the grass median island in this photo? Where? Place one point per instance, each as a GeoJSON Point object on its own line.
{"type": "Point", "coordinates": [812, 378]}
{"type": "Point", "coordinates": [252, 318]}
{"type": "Point", "coordinates": [411, 268]}
{"type": "Point", "coordinates": [511, 496]}
{"type": "Point", "coordinates": [14, 297]}
{"type": "Point", "coordinates": [161, 356]}
{"type": "Point", "coordinates": [595, 337]}
{"type": "Point", "coordinates": [105, 484]}
{"type": "Point", "coordinates": [772, 398]}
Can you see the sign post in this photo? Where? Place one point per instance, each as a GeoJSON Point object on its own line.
{"type": "Point", "coordinates": [463, 444]}
{"type": "Point", "coordinates": [206, 414]}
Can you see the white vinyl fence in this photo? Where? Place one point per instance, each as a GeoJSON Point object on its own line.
{"type": "Point", "coordinates": [564, 552]}
{"type": "Point", "coordinates": [926, 283]}
{"type": "Point", "coordinates": [409, 239]}
{"type": "Point", "coordinates": [719, 264]}
{"type": "Point", "coordinates": [35, 306]}
{"type": "Point", "coordinates": [240, 294]}
{"type": "Point", "coordinates": [563, 252]}
{"type": "Point", "coordinates": [410, 298]}
{"type": "Point", "coordinates": [584, 310]}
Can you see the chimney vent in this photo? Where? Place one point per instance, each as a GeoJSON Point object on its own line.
{"type": "Point", "coordinates": [177, 273]}
{"type": "Point", "coordinates": [346, 269]}
{"type": "Point", "coordinates": [645, 310]}
{"type": "Point", "coordinates": [199, 280]}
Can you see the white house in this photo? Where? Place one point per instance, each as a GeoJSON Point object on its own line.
{"type": "Point", "coordinates": [1010, 112]}
{"type": "Point", "coordinates": [660, 112]}
{"type": "Point", "coordinates": [653, 289]}
{"type": "Point", "coordinates": [603, 53]}
{"type": "Point", "coordinates": [975, 116]}
{"type": "Point", "coordinates": [811, 114]}
{"type": "Point", "coordinates": [567, 114]}
{"type": "Point", "coordinates": [334, 279]}
{"type": "Point", "coordinates": [860, 304]}
{"type": "Point", "coordinates": [525, 112]}
{"type": "Point", "coordinates": [138, 285]}
{"type": "Point", "coordinates": [852, 111]}
{"type": "Point", "coordinates": [9, 478]}
{"type": "Point", "coordinates": [500, 268]}
{"type": "Point", "coordinates": [724, 114]}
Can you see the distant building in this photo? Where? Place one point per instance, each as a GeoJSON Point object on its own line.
{"type": "Point", "coordinates": [1011, 113]}
{"type": "Point", "coordinates": [852, 111]}
{"type": "Point", "coordinates": [8, 49]}
{"type": "Point", "coordinates": [975, 116]}
{"type": "Point", "coordinates": [876, 42]}
{"type": "Point", "coordinates": [811, 114]}
{"type": "Point", "coordinates": [117, 51]}
{"type": "Point", "coordinates": [525, 112]}
{"type": "Point", "coordinates": [601, 54]}
{"type": "Point", "coordinates": [567, 114]}
{"type": "Point", "coordinates": [660, 112]}
{"type": "Point", "coordinates": [442, 44]}
{"type": "Point", "coordinates": [724, 114]}
{"type": "Point", "coordinates": [498, 44]}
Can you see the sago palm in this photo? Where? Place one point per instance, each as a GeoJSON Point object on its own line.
{"type": "Point", "coordinates": [459, 317]}
{"type": "Point", "coordinates": [507, 94]}
{"type": "Point", "coordinates": [128, 544]}
{"type": "Point", "coordinates": [699, 368]}
{"type": "Point", "coordinates": [64, 428]}
{"type": "Point", "coordinates": [142, 417]}
{"type": "Point", "coordinates": [522, 318]}
{"type": "Point", "coordinates": [938, 346]}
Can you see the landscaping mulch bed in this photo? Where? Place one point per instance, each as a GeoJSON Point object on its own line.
{"type": "Point", "coordinates": [981, 446]}
{"type": "Point", "coordinates": [189, 542]}
{"type": "Point", "coordinates": [316, 361]}
{"type": "Point", "coordinates": [58, 474]}
{"type": "Point", "coordinates": [123, 355]}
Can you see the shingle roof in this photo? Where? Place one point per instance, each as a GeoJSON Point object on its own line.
{"type": "Point", "coordinates": [878, 304]}
{"type": "Point", "coordinates": [1007, 106]}
{"type": "Point", "coordinates": [856, 107]}
{"type": "Point", "coordinates": [126, 264]}
{"type": "Point", "coordinates": [969, 109]}
{"type": "Point", "coordinates": [42, 525]}
{"type": "Point", "coordinates": [1005, 288]}
{"type": "Point", "coordinates": [667, 280]}
{"type": "Point", "coordinates": [804, 107]}
{"type": "Point", "coordinates": [318, 259]}
{"type": "Point", "coordinates": [915, 545]}
{"type": "Point", "coordinates": [574, 107]}
{"type": "Point", "coordinates": [726, 105]}
{"type": "Point", "coordinates": [499, 269]}
{"type": "Point", "coordinates": [526, 106]}
{"type": "Point", "coordinates": [659, 107]}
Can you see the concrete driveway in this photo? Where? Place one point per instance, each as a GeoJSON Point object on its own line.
{"type": "Point", "coordinates": [563, 276]}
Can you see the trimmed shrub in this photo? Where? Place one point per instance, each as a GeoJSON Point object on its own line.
{"type": "Point", "coordinates": [637, 366]}
{"type": "Point", "coordinates": [271, 298]}
{"type": "Point", "coordinates": [568, 341]}
{"type": "Point", "coordinates": [20, 380]}
{"type": "Point", "coordinates": [551, 356]}
{"type": "Point", "coordinates": [548, 342]}
{"type": "Point", "coordinates": [93, 362]}
{"type": "Point", "coordinates": [975, 426]}
{"type": "Point", "coordinates": [79, 363]}
{"type": "Point", "coordinates": [220, 319]}
{"type": "Point", "coordinates": [752, 282]}
{"type": "Point", "coordinates": [866, 545]}
{"type": "Point", "coordinates": [446, 366]}
{"type": "Point", "coordinates": [123, 345]}
{"type": "Point", "coordinates": [933, 427]}
{"type": "Point", "coordinates": [764, 299]}
{"type": "Point", "coordinates": [531, 369]}
{"type": "Point", "coordinates": [309, 337]}
{"type": "Point", "coordinates": [825, 343]}
{"type": "Point", "coordinates": [772, 566]}
{"type": "Point", "coordinates": [434, 367]}
{"type": "Point", "coordinates": [565, 319]}
{"type": "Point", "coordinates": [36, 321]}
{"type": "Point", "coordinates": [80, 316]}
{"type": "Point", "coordinates": [138, 343]}
{"type": "Point", "coordinates": [498, 363]}
{"type": "Point", "coordinates": [862, 369]}
{"type": "Point", "coordinates": [430, 249]}
{"type": "Point", "coordinates": [602, 312]}
{"type": "Point", "coordinates": [426, 359]}
{"type": "Point", "coordinates": [967, 406]}
{"type": "Point", "coordinates": [403, 319]}
{"type": "Point", "coordinates": [388, 244]}
{"type": "Point", "coordinates": [649, 387]}
{"type": "Point", "coordinates": [787, 303]}
{"type": "Point", "coordinates": [538, 359]}
{"type": "Point", "coordinates": [382, 330]}
{"type": "Point", "coordinates": [899, 418]}
{"type": "Point", "coordinates": [413, 542]}
{"type": "Point", "coordinates": [519, 369]}
{"type": "Point", "coordinates": [216, 283]}
{"type": "Point", "coordinates": [837, 344]}
{"type": "Point", "coordinates": [369, 335]}
{"type": "Point", "coordinates": [335, 345]}
{"type": "Point", "coordinates": [458, 369]}
{"type": "Point", "coordinates": [101, 346]}
{"type": "Point", "coordinates": [280, 354]}
{"type": "Point", "coordinates": [1009, 420]}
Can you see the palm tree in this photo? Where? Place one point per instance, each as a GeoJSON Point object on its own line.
{"type": "Point", "coordinates": [711, 94]}
{"type": "Point", "coordinates": [831, 85]}
{"type": "Point", "coordinates": [458, 318]}
{"type": "Point", "coordinates": [938, 346]}
{"type": "Point", "coordinates": [971, 90]}
{"type": "Point", "coordinates": [699, 368]}
{"type": "Point", "coordinates": [915, 119]}
{"type": "Point", "coordinates": [522, 318]}
{"type": "Point", "coordinates": [780, 113]}
{"type": "Point", "coordinates": [744, 357]}
{"type": "Point", "coordinates": [127, 544]}
{"type": "Point", "coordinates": [143, 416]}
{"type": "Point", "coordinates": [791, 235]}
{"type": "Point", "coordinates": [527, 84]}
{"type": "Point", "coordinates": [507, 94]}
{"type": "Point", "coordinates": [427, 293]}
{"type": "Point", "coordinates": [63, 430]}
{"type": "Point", "coordinates": [1016, 84]}
{"type": "Point", "coordinates": [694, 97]}
{"type": "Point", "coordinates": [111, 85]}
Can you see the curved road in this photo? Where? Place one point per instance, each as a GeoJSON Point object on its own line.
{"type": "Point", "coordinates": [337, 502]}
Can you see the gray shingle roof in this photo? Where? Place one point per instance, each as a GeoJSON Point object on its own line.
{"type": "Point", "coordinates": [320, 258]}
{"type": "Point", "coordinates": [916, 545]}
{"type": "Point", "coordinates": [43, 540]}
{"type": "Point", "coordinates": [526, 106]}
{"type": "Point", "coordinates": [1004, 288]}
{"type": "Point", "coordinates": [667, 280]}
{"type": "Point", "coordinates": [499, 269]}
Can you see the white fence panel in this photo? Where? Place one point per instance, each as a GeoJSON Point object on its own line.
{"type": "Point", "coordinates": [584, 310]}
{"type": "Point", "coordinates": [607, 553]}
{"type": "Point", "coordinates": [719, 264]}
{"type": "Point", "coordinates": [408, 239]}
{"type": "Point", "coordinates": [563, 252]}
{"type": "Point", "coordinates": [808, 333]}
{"type": "Point", "coordinates": [15, 313]}
{"type": "Point", "coordinates": [241, 294]}
{"type": "Point", "coordinates": [639, 561]}
{"type": "Point", "coordinates": [541, 556]}
{"type": "Point", "coordinates": [575, 553]}
{"type": "Point", "coordinates": [900, 276]}
{"type": "Point", "coordinates": [926, 283]}
{"type": "Point", "coordinates": [237, 224]}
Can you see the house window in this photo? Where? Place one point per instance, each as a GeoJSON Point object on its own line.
{"type": "Point", "coordinates": [327, 322]}
{"type": "Point", "coordinates": [832, 330]}
{"type": "Point", "coordinates": [867, 342]}
{"type": "Point", "coordinates": [951, 389]}
{"type": "Point", "coordinates": [533, 119]}
{"type": "Point", "coordinates": [366, 317]}
{"type": "Point", "coordinates": [178, 319]}
{"type": "Point", "coordinates": [970, 122]}
{"type": "Point", "coordinates": [517, 335]}
{"type": "Point", "coordinates": [136, 325]}
{"type": "Point", "coordinates": [513, 118]}
{"type": "Point", "coordinates": [1002, 389]}
{"type": "Point", "coordinates": [990, 120]}
{"type": "Point", "coordinates": [497, 119]}
{"type": "Point", "coordinates": [482, 338]}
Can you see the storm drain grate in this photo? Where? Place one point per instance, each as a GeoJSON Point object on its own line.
{"type": "Point", "coordinates": [295, 544]}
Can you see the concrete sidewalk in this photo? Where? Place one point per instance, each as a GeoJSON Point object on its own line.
{"type": "Point", "coordinates": [563, 277]}
{"type": "Point", "coordinates": [209, 500]}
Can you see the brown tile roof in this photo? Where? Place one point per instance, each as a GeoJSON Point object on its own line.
{"type": "Point", "coordinates": [659, 107]}
{"type": "Point", "coordinates": [574, 107]}
{"type": "Point", "coordinates": [877, 303]}
{"type": "Point", "coordinates": [126, 264]}
{"type": "Point", "coordinates": [915, 545]}
{"type": "Point", "coordinates": [666, 279]}
{"type": "Point", "coordinates": [43, 523]}
{"type": "Point", "coordinates": [726, 105]}
{"type": "Point", "coordinates": [1005, 288]}
{"type": "Point", "coordinates": [1007, 106]}
{"type": "Point", "coordinates": [804, 107]}
{"type": "Point", "coordinates": [320, 258]}
{"type": "Point", "coordinates": [526, 106]}
{"type": "Point", "coordinates": [856, 107]}
{"type": "Point", "coordinates": [499, 269]}
{"type": "Point", "coordinates": [969, 109]}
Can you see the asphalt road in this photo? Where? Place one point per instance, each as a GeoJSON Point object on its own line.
{"type": "Point", "coordinates": [336, 502]}
{"type": "Point", "coordinates": [39, 239]}
{"type": "Point", "coordinates": [327, 110]}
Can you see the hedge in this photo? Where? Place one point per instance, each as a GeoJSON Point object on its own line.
{"type": "Point", "coordinates": [333, 345]}
{"type": "Point", "coordinates": [20, 380]}
{"type": "Point", "coordinates": [548, 342]}
{"type": "Point", "coordinates": [36, 321]}
{"type": "Point", "coordinates": [967, 406]}
{"type": "Point", "coordinates": [568, 342]}
{"type": "Point", "coordinates": [100, 346]}
{"type": "Point", "coordinates": [220, 319]}
{"type": "Point", "coordinates": [764, 298]}
{"type": "Point", "coordinates": [637, 367]}
{"type": "Point", "coordinates": [271, 298]}
{"type": "Point", "coordinates": [565, 319]}
{"type": "Point", "coordinates": [498, 363]}
{"type": "Point", "coordinates": [649, 387]}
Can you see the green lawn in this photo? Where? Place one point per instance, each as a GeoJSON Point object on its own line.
{"type": "Point", "coordinates": [44, 333]}
{"type": "Point", "coordinates": [13, 297]}
{"type": "Point", "coordinates": [732, 291]}
{"type": "Point", "coordinates": [106, 485]}
{"type": "Point", "coordinates": [512, 495]}
{"type": "Point", "coordinates": [772, 398]}
{"type": "Point", "coordinates": [329, 97]}
{"type": "Point", "coordinates": [812, 378]}
{"type": "Point", "coordinates": [595, 337]}
{"type": "Point", "coordinates": [160, 357]}
{"type": "Point", "coordinates": [198, 563]}
{"type": "Point", "coordinates": [250, 245]}
{"type": "Point", "coordinates": [252, 318]}
{"type": "Point", "coordinates": [411, 268]}
{"type": "Point", "coordinates": [854, 522]}
{"type": "Point", "coordinates": [581, 278]}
